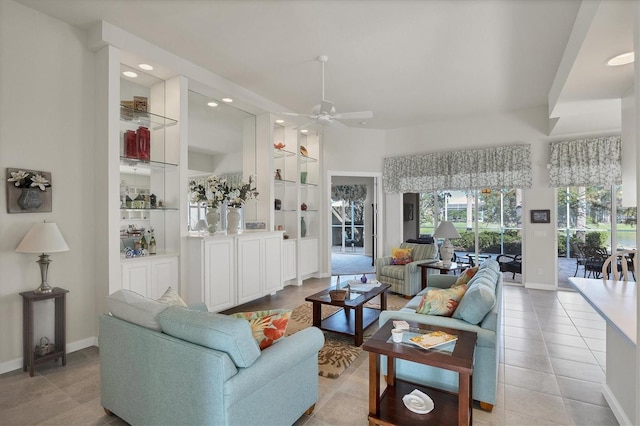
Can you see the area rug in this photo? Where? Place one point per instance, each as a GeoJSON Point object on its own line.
{"type": "Point", "coordinates": [338, 351]}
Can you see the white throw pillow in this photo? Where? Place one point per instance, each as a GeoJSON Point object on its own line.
{"type": "Point", "coordinates": [133, 307]}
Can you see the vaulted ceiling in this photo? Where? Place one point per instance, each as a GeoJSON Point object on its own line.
{"type": "Point", "coordinates": [410, 62]}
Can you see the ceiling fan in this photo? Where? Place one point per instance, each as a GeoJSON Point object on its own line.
{"type": "Point", "coordinates": [325, 111]}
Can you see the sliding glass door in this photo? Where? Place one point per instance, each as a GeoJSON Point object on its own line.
{"type": "Point", "coordinates": [590, 218]}
{"type": "Point", "coordinates": [489, 220]}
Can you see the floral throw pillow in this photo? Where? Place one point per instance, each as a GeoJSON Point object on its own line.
{"type": "Point", "coordinates": [465, 276]}
{"type": "Point", "coordinates": [441, 302]}
{"type": "Point", "coordinates": [401, 256]}
{"type": "Point", "coordinates": [171, 297]}
{"type": "Point", "coordinates": [267, 326]}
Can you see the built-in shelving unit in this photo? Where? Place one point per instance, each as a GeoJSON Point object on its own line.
{"type": "Point", "coordinates": [296, 198]}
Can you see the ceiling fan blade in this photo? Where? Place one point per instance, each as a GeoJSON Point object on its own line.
{"type": "Point", "coordinates": [354, 115]}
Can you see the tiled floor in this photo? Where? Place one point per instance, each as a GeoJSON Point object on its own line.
{"type": "Point", "coordinates": [551, 370]}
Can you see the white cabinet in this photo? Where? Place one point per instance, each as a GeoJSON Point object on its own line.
{"type": "Point", "coordinates": [136, 276]}
{"type": "Point", "coordinates": [289, 266]}
{"type": "Point", "coordinates": [225, 271]}
{"type": "Point", "coordinates": [150, 276]}
{"type": "Point", "coordinates": [212, 276]}
{"type": "Point", "coordinates": [272, 263]}
{"type": "Point", "coordinates": [259, 265]}
{"type": "Point", "coordinates": [250, 255]}
{"type": "Point", "coordinates": [308, 256]}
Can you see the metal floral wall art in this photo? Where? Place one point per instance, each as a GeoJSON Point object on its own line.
{"type": "Point", "coordinates": [28, 191]}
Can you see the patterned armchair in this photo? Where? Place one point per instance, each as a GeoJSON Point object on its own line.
{"type": "Point", "coordinates": [406, 279]}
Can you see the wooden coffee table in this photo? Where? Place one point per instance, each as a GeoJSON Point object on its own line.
{"type": "Point", "coordinates": [354, 318]}
{"type": "Point", "coordinates": [387, 408]}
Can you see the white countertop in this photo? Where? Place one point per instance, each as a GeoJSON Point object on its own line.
{"type": "Point", "coordinates": [615, 301]}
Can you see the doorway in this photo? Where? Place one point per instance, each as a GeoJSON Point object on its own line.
{"type": "Point", "coordinates": [353, 222]}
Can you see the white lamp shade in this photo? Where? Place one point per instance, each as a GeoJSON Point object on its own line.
{"type": "Point", "coordinates": [446, 230]}
{"type": "Point", "coordinates": [43, 238]}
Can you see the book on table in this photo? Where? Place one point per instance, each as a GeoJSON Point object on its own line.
{"type": "Point", "coordinates": [432, 339]}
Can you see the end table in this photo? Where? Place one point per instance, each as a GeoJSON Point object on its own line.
{"type": "Point", "coordinates": [30, 359]}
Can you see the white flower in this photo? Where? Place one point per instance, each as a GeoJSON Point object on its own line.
{"type": "Point", "coordinates": [39, 181]}
{"type": "Point", "coordinates": [18, 177]}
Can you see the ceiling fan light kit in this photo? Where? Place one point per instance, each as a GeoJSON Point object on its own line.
{"type": "Point", "coordinates": [325, 112]}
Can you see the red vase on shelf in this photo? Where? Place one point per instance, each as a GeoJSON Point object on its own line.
{"type": "Point", "coordinates": [130, 144]}
{"type": "Point", "coordinates": [144, 143]}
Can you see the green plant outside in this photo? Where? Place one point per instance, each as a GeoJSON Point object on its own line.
{"type": "Point", "coordinates": [488, 241]}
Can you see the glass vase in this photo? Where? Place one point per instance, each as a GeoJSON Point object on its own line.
{"type": "Point", "coordinates": [213, 217]}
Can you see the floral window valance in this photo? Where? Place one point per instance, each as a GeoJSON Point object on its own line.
{"type": "Point", "coordinates": [586, 162]}
{"type": "Point", "coordinates": [349, 192]}
{"type": "Point", "coordinates": [501, 167]}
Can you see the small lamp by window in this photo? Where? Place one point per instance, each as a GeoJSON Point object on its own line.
{"type": "Point", "coordinates": [43, 238]}
{"type": "Point", "coordinates": [446, 230]}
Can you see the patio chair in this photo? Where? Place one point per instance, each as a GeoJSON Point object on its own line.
{"type": "Point", "coordinates": [510, 263]}
{"type": "Point", "coordinates": [577, 252]}
{"type": "Point", "coordinates": [595, 258]}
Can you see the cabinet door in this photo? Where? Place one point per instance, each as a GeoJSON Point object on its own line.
{"type": "Point", "coordinates": [250, 268]}
{"type": "Point", "coordinates": [308, 256]}
{"type": "Point", "coordinates": [164, 274]}
{"type": "Point", "coordinates": [136, 276]}
{"type": "Point", "coordinates": [272, 263]}
{"type": "Point", "coordinates": [289, 260]}
{"type": "Point", "coordinates": [219, 274]}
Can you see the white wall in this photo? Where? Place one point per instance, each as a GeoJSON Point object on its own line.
{"type": "Point", "coordinates": [46, 113]}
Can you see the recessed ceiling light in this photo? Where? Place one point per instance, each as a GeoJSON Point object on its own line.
{"type": "Point", "coordinates": [130, 74]}
{"type": "Point", "coordinates": [145, 67]}
{"type": "Point", "coordinates": [304, 131]}
{"type": "Point", "coordinates": [279, 121]}
{"type": "Point", "coordinates": [622, 59]}
{"type": "Point", "coordinates": [212, 104]}
{"type": "Point", "coordinates": [363, 122]}
{"type": "Point", "coordinates": [227, 100]}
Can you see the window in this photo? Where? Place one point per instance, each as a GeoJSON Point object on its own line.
{"type": "Point", "coordinates": [489, 220]}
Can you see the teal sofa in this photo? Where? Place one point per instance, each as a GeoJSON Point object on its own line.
{"type": "Point", "coordinates": [170, 365]}
{"type": "Point", "coordinates": [406, 279]}
{"type": "Point", "coordinates": [487, 280]}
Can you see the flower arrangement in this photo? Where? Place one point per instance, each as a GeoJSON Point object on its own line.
{"type": "Point", "coordinates": [198, 191]}
{"type": "Point", "coordinates": [241, 193]}
{"type": "Point", "coordinates": [219, 189]}
{"type": "Point", "coordinates": [22, 179]}
{"type": "Point", "coordinates": [215, 191]}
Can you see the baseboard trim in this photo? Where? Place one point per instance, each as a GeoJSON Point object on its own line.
{"type": "Point", "coordinates": [16, 364]}
{"type": "Point", "coordinates": [540, 286]}
{"type": "Point", "coordinates": [621, 416]}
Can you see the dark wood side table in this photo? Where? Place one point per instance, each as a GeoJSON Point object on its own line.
{"type": "Point", "coordinates": [454, 266]}
{"type": "Point", "coordinates": [30, 358]}
{"type": "Point", "coordinates": [386, 406]}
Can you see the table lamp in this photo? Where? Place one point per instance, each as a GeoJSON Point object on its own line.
{"type": "Point", "coordinates": [43, 238]}
{"type": "Point", "coordinates": [446, 230]}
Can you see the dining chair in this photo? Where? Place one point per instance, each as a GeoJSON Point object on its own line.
{"type": "Point", "coordinates": [622, 267]}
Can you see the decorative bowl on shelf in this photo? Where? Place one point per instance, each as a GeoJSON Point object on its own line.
{"type": "Point", "coordinates": [279, 145]}
{"type": "Point", "coordinates": [303, 151]}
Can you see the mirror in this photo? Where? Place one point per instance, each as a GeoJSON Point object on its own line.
{"type": "Point", "coordinates": [221, 142]}
{"type": "Point", "coordinates": [218, 134]}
